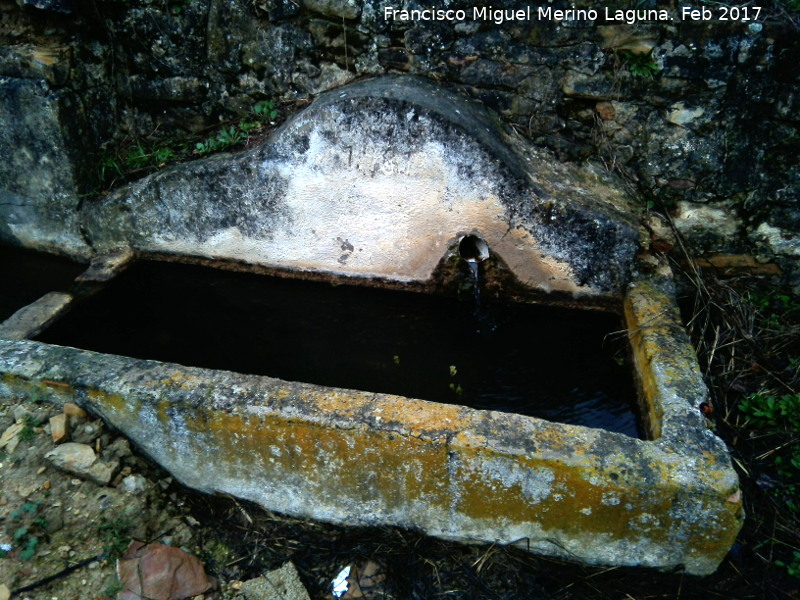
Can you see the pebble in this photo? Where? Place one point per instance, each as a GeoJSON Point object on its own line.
{"type": "Point", "coordinates": [20, 413]}
{"type": "Point", "coordinates": [606, 111]}
{"type": "Point", "coordinates": [59, 428]}
{"type": "Point", "coordinates": [72, 457]}
{"type": "Point", "coordinates": [119, 449]}
{"type": "Point", "coordinates": [80, 459]}
{"type": "Point", "coordinates": [73, 410]}
{"type": "Point", "coordinates": [280, 584]}
{"type": "Point", "coordinates": [136, 485]}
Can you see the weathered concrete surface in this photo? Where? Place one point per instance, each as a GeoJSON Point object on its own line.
{"type": "Point", "coordinates": [379, 180]}
{"type": "Point", "coordinates": [361, 458]}
{"type": "Point", "coordinates": [38, 196]}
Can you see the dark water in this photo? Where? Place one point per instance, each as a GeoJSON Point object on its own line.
{"type": "Point", "coordinates": [26, 276]}
{"type": "Point", "coordinates": [557, 364]}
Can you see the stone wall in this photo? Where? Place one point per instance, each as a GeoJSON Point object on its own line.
{"type": "Point", "coordinates": [706, 129]}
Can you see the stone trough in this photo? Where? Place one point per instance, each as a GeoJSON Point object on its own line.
{"type": "Point", "coordinates": [396, 183]}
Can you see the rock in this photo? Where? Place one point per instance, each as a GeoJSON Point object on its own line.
{"type": "Point", "coordinates": [661, 234]}
{"type": "Point", "coordinates": [102, 473]}
{"type": "Point", "coordinates": [118, 449]}
{"type": "Point", "coordinates": [59, 6]}
{"type": "Point", "coordinates": [136, 485]}
{"type": "Point", "coordinates": [280, 584]}
{"type": "Point", "coordinates": [21, 414]}
{"type": "Point", "coordinates": [59, 428]}
{"type": "Point", "coordinates": [72, 457]}
{"type": "Point", "coordinates": [5, 593]}
{"type": "Point", "coordinates": [771, 240]}
{"type": "Point", "coordinates": [330, 76]}
{"type": "Point", "coordinates": [606, 111]}
{"type": "Point", "coordinates": [159, 572]}
{"type": "Point", "coordinates": [87, 432]}
{"type": "Point", "coordinates": [395, 58]}
{"type": "Point", "coordinates": [80, 459]}
{"type": "Point", "coordinates": [73, 410]}
{"type": "Point", "coordinates": [584, 223]}
{"type": "Point", "coordinates": [10, 438]}
{"type": "Point", "coordinates": [680, 114]}
{"type": "Point", "coordinates": [54, 518]}
{"type": "Point", "coordinates": [39, 196]}
{"type": "Point", "coordinates": [707, 227]}
{"type": "Point", "coordinates": [342, 9]}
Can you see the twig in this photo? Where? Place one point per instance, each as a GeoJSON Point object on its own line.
{"type": "Point", "coordinates": [59, 575]}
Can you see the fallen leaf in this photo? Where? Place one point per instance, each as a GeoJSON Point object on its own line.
{"type": "Point", "coordinates": [159, 572]}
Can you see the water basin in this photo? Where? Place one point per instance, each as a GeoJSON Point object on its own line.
{"type": "Point", "coordinates": [562, 365]}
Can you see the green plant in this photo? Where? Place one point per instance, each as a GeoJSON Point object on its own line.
{"type": "Point", "coordinates": [35, 397]}
{"type": "Point", "coordinates": [176, 7]}
{"type": "Point", "coordinates": [231, 136]}
{"type": "Point", "coordinates": [779, 417]}
{"type": "Point", "coordinates": [640, 64]}
{"type": "Point", "coordinates": [137, 157]}
{"type": "Point", "coordinates": [774, 306]}
{"type": "Point", "coordinates": [149, 154]}
{"type": "Point", "coordinates": [113, 588]}
{"type": "Point", "coordinates": [26, 527]}
{"type": "Point", "coordinates": [27, 432]}
{"type": "Point", "coordinates": [163, 155]}
{"type": "Point", "coordinates": [110, 168]}
{"type": "Point", "coordinates": [793, 568]}
{"type": "Point", "coordinates": [266, 110]}
{"type": "Point", "coordinates": [114, 533]}
{"type": "Point", "coordinates": [768, 411]}
{"type": "Point", "coordinates": [227, 138]}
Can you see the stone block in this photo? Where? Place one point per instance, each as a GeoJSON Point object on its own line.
{"type": "Point", "coordinates": [38, 193]}
{"type": "Point", "coordinates": [31, 320]}
{"type": "Point", "coordinates": [400, 170]}
{"type": "Point", "coordinates": [367, 459]}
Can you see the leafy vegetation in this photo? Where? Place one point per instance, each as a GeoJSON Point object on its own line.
{"type": "Point", "coordinates": [142, 156]}
{"type": "Point", "coordinates": [640, 64]}
{"type": "Point", "coordinates": [227, 138]}
{"type": "Point", "coordinates": [114, 533]}
{"type": "Point", "coordinates": [26, 527]}
{"type": "Point", "coordinates": [266, 109]}
{"type": "Point", "coordinates": [27, 432]}
{"type": "Point", "coordinates": [780, 413]}
{"type": "Point", "coordinates": [176, 7]}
